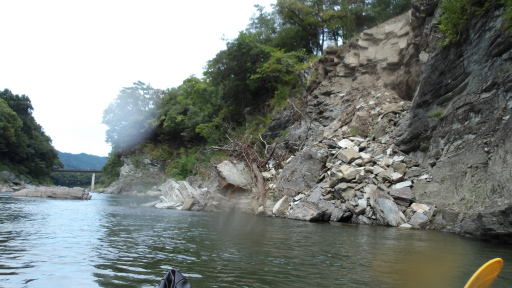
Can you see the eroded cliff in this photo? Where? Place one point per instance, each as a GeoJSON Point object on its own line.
{"type": "Point", "coordinates": [394, 130]}
{"type": "Point", "coordinates": [445, 110]}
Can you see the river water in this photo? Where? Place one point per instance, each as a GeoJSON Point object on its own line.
{"type": "Point", "coordinates": [105, 243]}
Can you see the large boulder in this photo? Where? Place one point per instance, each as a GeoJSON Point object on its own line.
{"type": "Point", "coordinates": [387, 212]}
{"type": "Point", "coordinates": [402, 196]}
{"type": "Point", "coordinates": [302, 172]}
{"type": "Point", "coordinates": [181, 195]}
{"type": "Point", "coordinates": [234, 175]}
{"type": "Point", "coordinates": [309, 211]}
{"type": "Point", "coordinates": [419, 220]}
{"type": "Point", "coordinates": [281, 207]}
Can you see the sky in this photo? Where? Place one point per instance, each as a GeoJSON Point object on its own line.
{"type": "Point", "coordinates": [72, 57]}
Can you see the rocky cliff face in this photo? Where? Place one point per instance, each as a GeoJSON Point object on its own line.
{"type": "Point", "coordinates": [446, 111]}
{"type": "Point", "coordinates": [137, 177]}
{"type": "Point", "coordinates": [395, 131]}
{"type": "Point", "coordinates": [459, 128]}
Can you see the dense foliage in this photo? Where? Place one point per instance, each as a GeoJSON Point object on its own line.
{"type": "Point", "coordinates": [24, 147]}
{"type": "Point", "coordinates": [507, 15]}
{"type": "Point", "coordinates": [111, 169]}
{"type": "Point", "coordinates": [252, 78]}
{"type": "Point", "coordinates": [457, 13]}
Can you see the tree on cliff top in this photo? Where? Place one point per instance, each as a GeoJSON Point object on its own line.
{"type": "Point", "coordinates": [333, 21]}
{"type": "Point", "coordinates": [24, 147]}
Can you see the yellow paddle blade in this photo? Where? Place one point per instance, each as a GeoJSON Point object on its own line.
{"type": "Point", "coordinates": [484, 276]}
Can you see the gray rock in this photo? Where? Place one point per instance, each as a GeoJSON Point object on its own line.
{"type": "Point", "coordinates": [152, 193]}
{"type": "Point", "coordinates": [349, 194]}
{"type": "Point", "coordinates": [414, 172]}
{"type": "Point", "coordinates": [402, 185]}
{"type": "Point", "coordinates": [377, 170]}
{"type": "Point", "coordinates": [356, 210]}
{"type": "Point", "coordinates": [281, 207]}
{"type": "Point", "coordinates": [235, 173]}
{"type": "Point", "coordinates": [301, 173]}
{"type": "Point", "coordinates": [345, 143]}
{"type": "Point", "coordinates": [308, 211]}
{"type": "Point", "coordinates": [402, 196]}
{"type": "Point", "coordinates": [187, 205]}
{"type": "Point", "coordinates": [419, 220]}
{"type": "Point", "coordinates": [386, 162]}
{"type": "Point", "coordinates": [341, 187]}
{"type": "Point", "coordinates": [387, 212]}
{"type": "Point", "coordinates": [279, 123]}
{"type": "Point", "coordinates": [393, 107]}
{"type": "Point", "coordinates": [361, 219]}
{"type": "Point", "coordinates": [397, 177]}
{"type": "Point", "coordinates": [387, 175]}
{"type": "Point", "coordinates": [341, 215]}
{"type": "Point", "coordinates": [348, 155]}
{"type": "Point", "coordinates": [405, 226]}
{"type": "Point", "coordinates": [399, 167]}
{"type": "Point", "coordinates": [418, 207]}
{"type": "Point", "coordinates": [260, 211]}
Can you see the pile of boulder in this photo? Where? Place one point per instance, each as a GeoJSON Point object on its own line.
{"type": "Point", "coordinates": [366, 182]}
{"type": "Point", "coordinates": [229, 189]}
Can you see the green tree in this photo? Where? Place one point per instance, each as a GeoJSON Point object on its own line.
{"type": "Point", "coordinates": [10, 127]}
{"type": "Point", "coordinates": [335, 21]}
{"type": "Point", "coordinates": [112, 169]}
{"type": "Point", "coordinates": [307, 15]}
{"type": "Point", "coordinates": [264, 25]}
{"type": "Point", "coordinates": [454, 19]}
{"type": "Point", "coordinates": [184, 108]}
{"type": "Point", "coordinates": [231, 70]}
{"type": "Point", "coordinates": [457, 14]}
{"type": "Point", "coordinates": [27, 150]}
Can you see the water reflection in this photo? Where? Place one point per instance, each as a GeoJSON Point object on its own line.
{"type": "Point", "coordinates": [105, 243]}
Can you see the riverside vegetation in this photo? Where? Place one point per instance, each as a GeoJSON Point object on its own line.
{"type": "Point", "coordinates": [426, 114]}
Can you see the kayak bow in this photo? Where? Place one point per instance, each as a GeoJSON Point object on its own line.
{"type": "Point", "coordinates": [486, 274]}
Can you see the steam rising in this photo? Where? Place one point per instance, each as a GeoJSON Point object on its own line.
{"type": "Point", "coordinates": [129, 117]}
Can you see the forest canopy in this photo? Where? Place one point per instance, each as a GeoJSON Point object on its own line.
{"type": "Point", "coordinates": [24, 147]}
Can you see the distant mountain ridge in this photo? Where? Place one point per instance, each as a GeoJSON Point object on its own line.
{"type": "Point", "coordinates": [82, 161]}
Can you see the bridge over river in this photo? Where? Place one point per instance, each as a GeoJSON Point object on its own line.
{"type": "Point", "coordinates": [76, 170]}
{"type": "Point", "coordinates": [81, 171]}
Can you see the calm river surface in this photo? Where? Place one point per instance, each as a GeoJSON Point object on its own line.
{"type": "Point", "coordinates": [105, 243]}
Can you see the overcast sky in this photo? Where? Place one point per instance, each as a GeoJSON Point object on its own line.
{"type": "Point", "coordinates": [71, 58]}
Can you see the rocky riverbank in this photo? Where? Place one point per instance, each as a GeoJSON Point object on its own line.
{"type": "Point", "coordinates": [24, 188]}
{"type": "Point", "coordinates": [53, 192]}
